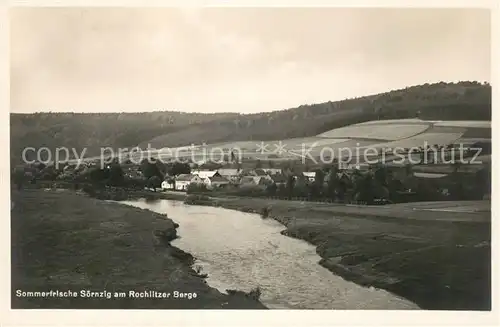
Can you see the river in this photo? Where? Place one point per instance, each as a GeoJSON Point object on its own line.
{"type": "Point", "coordinates": [242, 251]}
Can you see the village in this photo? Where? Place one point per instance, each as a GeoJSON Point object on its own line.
{"type": "Point", "coordinates": [368, 183]}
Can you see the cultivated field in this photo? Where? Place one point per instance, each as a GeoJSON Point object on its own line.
{"type": "Point", "coordinates": [379, 132]}
{"type": "Point", "coordinates": [403, 133]}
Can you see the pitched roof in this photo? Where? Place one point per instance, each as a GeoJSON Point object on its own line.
{"type": "Point", "coordinates": [260, 172]}
{"type": "Point", "coordinates": [343, 174]}
{"type": "Point", "coordinates": [218, 179]}
{"type": "Point", "coordinates": [204, 173]}
{"type": "Point", "coordinates": [184, 177]}
{"type": "Point", "coordinates": [247, 180]}
{"type": "Point", "coordinates": [228, 172]}
{"type": "Point", "coordinates": [261, 180]}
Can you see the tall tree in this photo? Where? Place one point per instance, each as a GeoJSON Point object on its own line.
{"type": "Point", "coordinates": [149, 168]}
{"type": "Point", "coordinates": [342, 188]}
{"type": "Point", "coordinates": [365, 188]}
{"type": "Point", "coordinates": [116, 176]}
{"type": "Point", "coordinates": [154, 182]}
{"type": "Point", "coordinates": [99, 176]}
{"type": "Point", "coordinates": [408, 169]}
{"type": "Point", "coordinates": [456, 166]}
{"type": "Point", "coordinates": [290, 184]}
{"type": "Point", "coordinates": [179, 168]}
{"type": "Point", "coordinates": [381, 175]}
{"type": "Point", "coordinates": [483, 181]}
{"type": "Point", "coordinates": [319, 181]}
{"type": "Point", "coordinates": [332, 182]}
{"type": "Point", "coordinates": [272, 188]}
{"type": "Point", "coordinates": [18, 178]}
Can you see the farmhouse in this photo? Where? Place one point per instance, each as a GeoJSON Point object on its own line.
{"type": "Point", "coordinates": [167, 185]}
{"type": "Point", "coordinates": [216, 181]}
{"type": "Point", "coordinates": [230, 174]}
{"type": "Point", "coordinates": [182, 181]}
{"type": "Point", "coordinates": [247, 181]}
{"type": "Point", "coordinates": [254, 180]}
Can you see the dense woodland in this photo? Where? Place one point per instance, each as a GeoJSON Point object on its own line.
{"type": "Point", "coordinates": [447, 101]}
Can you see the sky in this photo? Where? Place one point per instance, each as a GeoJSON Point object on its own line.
{"type": "Point", "coordinates": [234, 59]}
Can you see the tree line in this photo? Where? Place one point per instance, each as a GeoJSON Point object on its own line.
{"type": "Point", "coordinates": [113, 175]}
{"type": "Point", "coordinates": [377, 185]}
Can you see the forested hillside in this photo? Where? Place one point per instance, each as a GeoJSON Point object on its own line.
{"type": "Point", "coordinates": [446, 101]}
{"type": "Point", "coordinates": [95, 130]}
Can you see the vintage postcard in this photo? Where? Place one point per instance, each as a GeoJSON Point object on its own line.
{"type": "Point", "coordinates": [282, 159]}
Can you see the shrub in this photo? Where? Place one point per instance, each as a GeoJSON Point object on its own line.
{"type": "Point", "coordinates": [264, 212]}
{"type": "Point", "coordinates": [255, 293]}
{"type": "Point", "coordinates": [197, 199]}
{"type": "Point", "coordinates": [196, 188]}
{"type": "Point", "coordinates": [89, 190]}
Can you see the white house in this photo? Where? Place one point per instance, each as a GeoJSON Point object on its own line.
{"type": "Point", "coordinates": [167, 185]}
{"type": "Point", "coordinates": [230, 174]}
{"type": "Point", "coordinates": [182, 181]}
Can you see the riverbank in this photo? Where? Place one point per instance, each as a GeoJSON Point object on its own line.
{"type": "Point", "coordinates": [65, 241]}
{"type": "Point", "coordinates": [107, 192]}
{"type": "Point", "coordinates": [437, 259]}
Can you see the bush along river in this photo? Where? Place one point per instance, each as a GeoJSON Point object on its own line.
{"type": "Point", "coordinates": [242, 251]}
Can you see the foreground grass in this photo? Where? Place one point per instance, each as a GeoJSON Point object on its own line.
{"type": "Point", "coordinates": [439, 260]}
{"type": "Point", "coordinates": [64, 241]}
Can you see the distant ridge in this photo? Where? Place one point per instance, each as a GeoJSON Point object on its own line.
{"type": "Point", "coordinates": [438, 101]}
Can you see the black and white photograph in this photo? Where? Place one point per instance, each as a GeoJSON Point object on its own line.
{"type": "Point", "coordinates": [259, 158]}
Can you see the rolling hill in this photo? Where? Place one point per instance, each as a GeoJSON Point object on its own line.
{"type": "Point", "coordinates": [378, 134]}
{"type": "Point", "coordinates": [440, 101]}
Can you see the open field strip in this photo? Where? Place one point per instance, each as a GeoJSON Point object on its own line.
{"type": "Point", "coordinates": [396, 131]}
